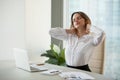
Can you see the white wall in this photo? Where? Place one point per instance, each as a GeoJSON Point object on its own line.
{"type": "Point", "coordinates": [24, 24]}
{"type": "Point", "coordinates": [11, 27]}
{"type": "Point", "coordinates": [38, 23]}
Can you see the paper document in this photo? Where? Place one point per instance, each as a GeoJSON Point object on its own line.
{"type": "Point", "coordinates": [75, 75]}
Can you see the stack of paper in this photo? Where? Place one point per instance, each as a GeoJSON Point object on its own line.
{"type": "Point", "coordinates": [75, 75]}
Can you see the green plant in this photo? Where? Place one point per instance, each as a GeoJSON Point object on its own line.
{"type": "Point", "coordinates": [56, 55]}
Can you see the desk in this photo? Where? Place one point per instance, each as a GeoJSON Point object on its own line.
{"type": "Point", "coordinates": [8, 71]}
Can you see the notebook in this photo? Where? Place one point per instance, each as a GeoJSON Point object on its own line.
{"type": "Point", "coordinates": [22, 61]}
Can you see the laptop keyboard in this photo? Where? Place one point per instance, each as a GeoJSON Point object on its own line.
{"type": "Point", "coordinates": [40, 68]}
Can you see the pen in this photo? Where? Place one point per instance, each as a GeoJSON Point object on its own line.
{"type": "Point", "coordinates": [54, 71]}
{"type": "Point", "coordinates": [73, 78]}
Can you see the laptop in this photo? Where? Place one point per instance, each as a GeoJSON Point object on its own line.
{"type": "Point", "coordinates": [22, 61]}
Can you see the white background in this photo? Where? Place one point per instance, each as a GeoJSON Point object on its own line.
{"type": "Point", "coordinates": [24, 24]}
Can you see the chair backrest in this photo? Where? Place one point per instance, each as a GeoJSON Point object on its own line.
{"type": "Point", "coordinates": [97, 61]}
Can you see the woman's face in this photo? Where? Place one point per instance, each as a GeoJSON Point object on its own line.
{"type": "Point", "coordinates": [78, 21]}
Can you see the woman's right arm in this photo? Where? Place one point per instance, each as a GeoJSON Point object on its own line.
{"type": "Point", "coordinates": [71, 31]}
{"type": "Point", "coordinates": [59, 33]}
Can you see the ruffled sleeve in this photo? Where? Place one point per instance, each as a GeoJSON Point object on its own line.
{"type": "Point", "coordinates": [58, 33]}
{"type": "Point", "coordinates": [98, 35]}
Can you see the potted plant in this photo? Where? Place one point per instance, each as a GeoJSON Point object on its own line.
{"type": "Point", "coordinates": [55, 54]}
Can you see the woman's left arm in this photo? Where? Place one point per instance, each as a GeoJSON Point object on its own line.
{"type": "Point", "coordinates": [99, 36]}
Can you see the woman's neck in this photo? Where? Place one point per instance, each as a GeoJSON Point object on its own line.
{"type": "Point", "coordinates": [81, 31]}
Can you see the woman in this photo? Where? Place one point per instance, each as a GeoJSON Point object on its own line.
{"type": "Point", "coordinates": [80, 41]}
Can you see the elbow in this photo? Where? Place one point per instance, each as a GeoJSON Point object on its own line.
{"type": "Point", "coordinates": [99, 40]}
{"type": "Point", "coordinates": [95, 43]}
{"type": "Point", "coordinates": [51, 32]}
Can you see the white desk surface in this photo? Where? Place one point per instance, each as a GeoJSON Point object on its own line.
{"type": "Point", "coordinates": [8, 71]}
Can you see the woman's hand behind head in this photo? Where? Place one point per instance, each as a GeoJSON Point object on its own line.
{"type": "Point", "coordinates": [88, 28]}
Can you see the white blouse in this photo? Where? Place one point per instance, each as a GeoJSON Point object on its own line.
{"type": "Point", "coordinates": [78, 50]}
